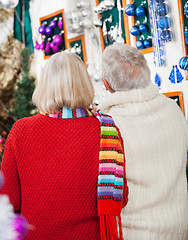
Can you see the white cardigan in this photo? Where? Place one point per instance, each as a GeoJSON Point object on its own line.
{"type": "Point", "coordinates": [155, 137]}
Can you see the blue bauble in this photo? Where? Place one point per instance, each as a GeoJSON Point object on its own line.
{"type": "Point", "coordinates": [140, 11]}
{"type": "Point", "coordinates": [162, 9]}
{"type": "Point", "coordinates": [147, 43]}
{"type": "Point", "coordinates": [166, 36]}
{"type": "Point", "coordinates": [143, 28]}
{"type": "Point", "coordinates": [159, 1]}
{"type": "Point", "coordinates": [139, 44]}
{"type": "Point", "coordinates": [134, 31]}
{"type": "Point", "coordinates": [130, 9]}
{"type": "Point", "coordinates": [164, 23]}
{"type": "Point", "coordinates": [183, 63]}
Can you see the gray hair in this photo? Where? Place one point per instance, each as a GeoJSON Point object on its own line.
{"type": "Point", "coordinates": [125, 67]}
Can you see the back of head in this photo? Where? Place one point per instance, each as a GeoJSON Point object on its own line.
{"type": "Point", "coordinates": [125, 67]}
{"type": "Point", "coordinates": [64, 82]}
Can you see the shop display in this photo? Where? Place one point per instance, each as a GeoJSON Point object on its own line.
{"type": "Point", "coordinates": [53, 33]}
{"type": "Point", "coordinates": [112, 22]}
{"type": "Point", "coordinates": [138, 10]}
{"type": "Point", "coordinates": [77, 45]}
{"type": "Point", "coordinates": [183, 17]}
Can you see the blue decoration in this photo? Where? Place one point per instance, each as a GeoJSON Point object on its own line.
{"type": "Point", "coordinates": [147, 43]}
{"type": "Point", "coordinates": [172, 75]}
{"type": "Point", "coordinates": [139, 44]}
{"type": "Point", "coordinates": [166, 36]}
{"type": "Point", "coordinates": [186, 10]}
{"type": "Point", "coordinates": [186, 36]}
{"type": "Point", "coordinates": [159, 1]}
{"type": "Point", "coordinates": [160, 62]}
{"type": "Point", "coordinates": [157, 80]}
{"type": "Point", "coordinates": [151, 15]}
{"type": "Point", "coordinates": [143, 28]}
{"type": "Point", "coordinates": [134, 31]}
{"type": "Point", "coordinates": [130, 9]}
{"type": "Point", "coordinates": [140, 11]}
{"type": "Point", "coordinates": [162, 9]}
{"type": "Point", "coordinates": [159, 52]}
{"type": "Point", "coordinates": [164, 23]}
{"type": "Point", "coordinates": [178, 75]}
{"type": "Point", "coordinates": [183, 63]}
{"type": "Point", "coordinates": [157, 43]}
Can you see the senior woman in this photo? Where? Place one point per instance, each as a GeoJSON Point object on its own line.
{"type": "Point", "coordinates": [155, 136]}
{"type": "Point", "coordinates": [64, 167]}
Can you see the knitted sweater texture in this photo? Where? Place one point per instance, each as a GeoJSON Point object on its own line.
{"type": "Point", "coordinates": [155, 136]}
{"type": "Point", "coordinates": [51, 169]}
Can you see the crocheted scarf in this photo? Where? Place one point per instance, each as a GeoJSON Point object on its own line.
{"type": "Point", "coordinates": [110, 173]}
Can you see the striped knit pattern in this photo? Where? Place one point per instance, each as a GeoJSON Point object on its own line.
{"type": "Point", "coordinates": [111, 159]}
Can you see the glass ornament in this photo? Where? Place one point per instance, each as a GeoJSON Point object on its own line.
{"type": "Point", "coordinates": [179, 76]}
{"type": "Point", "coordinates": [183, 63]}
{"type": "Point", "coordinates": [140, 11]}
{"type": "Point", "coordinates": [130, 9]}
{"type": "Point", "coordinates": [52, 44]}
{"type": "Point", "coordinates": [42, 46]}
{"type": "Point", "coordinates": [55, 49]}
{"type": "Point", "coordinates": [48, 30]}
{"type": "Point", "coordinates": [186, 36]}
{"type": "Point", "coordinates": [147, 43]}
{"type": "Point", "coordinates": [53, 23]}
{"type": "Point", "coordinates": [164, 23]}
{"type": "Point", "coordinates": [166, 36]}
{"type": "Point", "coordinates": [41, 29]}
{"type": "Point", "coordinates": [159, 1]}
{"type": "Point", "coordinates": [158, 53]}
{"type": "Point", "coordinates": [47, 48]}
{"type": "Point", "coordinates": [157, 80]}
{"type": "Point", "coordinates": [37, 45]}
{"type": "Point", "coordinates": [60, 23]}
{"type": "Point", "coordinates": [134, 31]}
{"type": "Point", "coordinates": [57, 40]}
{"type": "Point", "coordinates": [139, 44]}
{"type": "Point", "coordinates": [162, 9]}
{"type": "Point", "coordinates": [143, 28]}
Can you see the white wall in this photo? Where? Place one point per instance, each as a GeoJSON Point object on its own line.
{"type": "Point", "coordinates": [173, 50]}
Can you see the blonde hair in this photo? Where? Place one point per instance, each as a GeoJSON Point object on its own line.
{"type": "Point", "coordinates": [64, 82]}
{"type": "Point", "coordinates": [125, 67]}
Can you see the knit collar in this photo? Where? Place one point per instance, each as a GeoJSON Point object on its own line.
{"type": "Point", "coordinates": [132, 96]}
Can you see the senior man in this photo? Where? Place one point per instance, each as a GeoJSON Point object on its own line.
{"type": "Point", "coordinates": [155, 137]}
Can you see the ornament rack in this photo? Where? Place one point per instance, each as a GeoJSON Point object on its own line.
{"type": "Point", "coordinates": [142, 19]}
{"type": "Point", "coordinates": [176, 96]}
{"type": "Point", "coordinates": [183, 25]}
{"type": "Point", "coordinates": [77, 46]}
{"type": "Point", "coordinates": [48, 38]}
{"type": "Point", "coordinates": [114, 13]}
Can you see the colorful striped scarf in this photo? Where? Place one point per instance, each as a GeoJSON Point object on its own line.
{"type": "Point", "coordinates": [110, 174]}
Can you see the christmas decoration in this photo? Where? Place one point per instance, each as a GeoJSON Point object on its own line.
{"type": "Point", "coordinates": [130, 9]}
{"type": "Point", "coordinates": [157, 80]}
{"type": "Point", "coordinates": [175, 75]}
{"type": "Point", "coordinates": [183, 63]}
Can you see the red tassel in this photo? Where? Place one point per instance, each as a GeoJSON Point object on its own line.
{"type": "Point", "coordinates": [102, 228]}
{"type": "Point", "coordinates": [120, 228]}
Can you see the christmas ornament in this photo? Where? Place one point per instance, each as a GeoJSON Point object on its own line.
{"type": "Point", "coordinates": [55, 48]}
{"type": "Point", "coordinates": [143, 28]}
{"type": "Point", "coordinates": [130, 9]}
{"type": "Point", "coordinates": [172, 75]}
{"type": "Point", "coordinates": [53, 23]}
{"type": "Point", "coordinates": [47, 48]}
{"type": "Point", "coordinates": [159, 1]}
{"type": "Point", "coordinates": [41, 29]}
{"type": "Point", "coordinates": [20, 225]}
{"type": "Point", "coordinates": [175, 75]}
{"type": "Point", "coordinates": [179, 76]}
{"type": "Point", "coordinates": [183, 63]}
{"type": "Point", "coordinates": [134, 31]}
{"type": "Point", "coordinates": [186, 35]}
{"type": "Point", "coordinates": [58, 39]}
{"type": "Point", "coordinates": [162, 9]}
{"type": "Point", "coordinates": [166, 36]}
{"type": "Point", "coordinates": [139, 44]}
{"type": "Point", "coordinates": [164, 23]}
{"type": "Point", "coordinates": [157, 80]}
{"type": "Point", "coordinates": [186, 10]}
{"type": "Point", "coordinates": [42, 46]}
{"type": "Point", "coordinates": [52, 44]}
{"type": "Point", "coordinates": [2, 140]}
{"type": "Point", "coordinates": [147, 43]}
{"type": "Point", "coordinates": [48, 30]}
{"type": "Point", "coordinates": [60, 23]}
{"type": "Point", "coordinates": [37, 45]}
{"type": "Point", "coordinates": [140, 11]}
{"type": "Point", "coordinates": [8, 3]}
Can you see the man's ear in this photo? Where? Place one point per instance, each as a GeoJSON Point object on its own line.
{"type": "Point", "coordinates": [107, 86]}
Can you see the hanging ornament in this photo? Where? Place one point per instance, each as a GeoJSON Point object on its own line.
{"type": "Point", "coordinates": [179, 76]}
{"type": "Point", "coordinates": [55, 48]}
{"type": "Point", "coordinates": [186, 36]}
{"type": "Point", "coordinates": [41, 29]}
{"type": "Point", "coordinates": [48, 30]}
{"type": "Point", "coordinates": [157, 80]}
{"type": "Point", "coordinates": [47, 48]}
{"type": "Point", "coordinates": [139, 44]}
{"type": "Point", "coordinates": [130, 9]}
{"type": "Point", "coordinates": [147, 43]}
{"type": "Point", "coordinates": [60, 23]}
{"type": "Point", "coordinates": [140, 11]}
{"type": "Point", "coordinates": [172, 75]}
{"type": "Point", "coordinates": [162, 9]}
{"type": "Point", "coordinates": [58, 40]}
{"type": "Point", "coordinates": [164, 23]}
{"type": "Point", "coordinates": [134, 31]}
{"type": "Point", "coordinates": [183, 63]}
{"type": "Point", "coordinates": [52, 44]}
{"type": "Point", "coordinates": [143, 28]}
{"type": "Point", "coordinates": [53, 24]}
{"type": "Point", "coordinates": [186, 10]}
{"type": "Point", "coordinates": [21, 226]}
{"type": "Point", "coordinates": [166, 36]}
{"type": "Point", "coordinates": [37, 45]}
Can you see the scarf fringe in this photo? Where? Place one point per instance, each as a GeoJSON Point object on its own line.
{"type": "Point", "coordinates": [111, 227]}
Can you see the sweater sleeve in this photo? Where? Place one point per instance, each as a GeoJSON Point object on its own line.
{"type": "Point", "coordinates": [9, 169]}
{"type": "Point", "coordinates": [125, 187]}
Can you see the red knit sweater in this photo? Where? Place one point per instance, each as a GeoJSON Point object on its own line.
{"type": "Point", "coordinates": [51, 168]}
